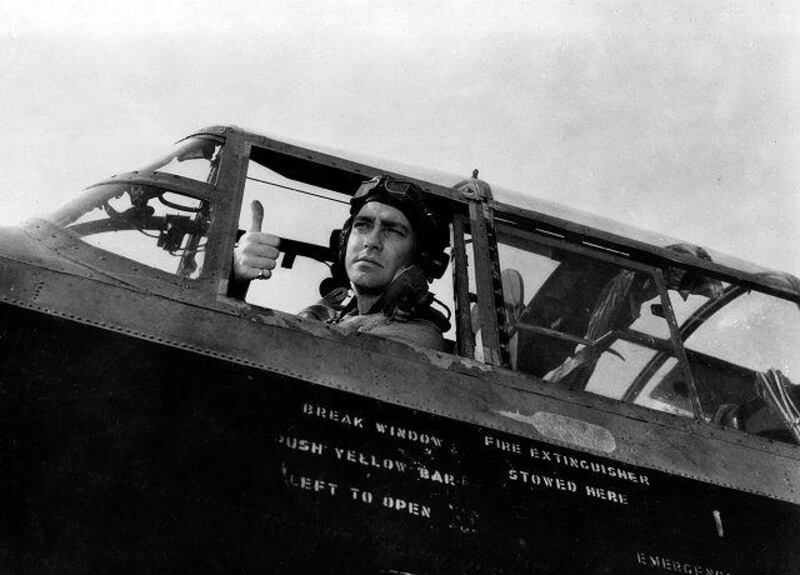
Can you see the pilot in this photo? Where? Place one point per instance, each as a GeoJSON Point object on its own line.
{"type": "Point", "coordinates": [388, 250]}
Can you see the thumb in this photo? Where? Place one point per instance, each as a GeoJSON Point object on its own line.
{"type": "Point", "coordinates": [257, 216]}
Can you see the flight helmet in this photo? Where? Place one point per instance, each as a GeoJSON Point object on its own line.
{"type": "Point", "coordinates": [432, 235]}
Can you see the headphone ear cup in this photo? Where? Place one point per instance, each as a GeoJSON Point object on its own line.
{"type": "Point", "coordinates": [435, 259]}
{"type": "Point", "coordinates": [333, 244]}
{"type": "Point", "coordinates": [436, 265]}
{"type": "Point", "coordinates": [338, 247]}
{"type": "Point", "coordinates": [341, 240]}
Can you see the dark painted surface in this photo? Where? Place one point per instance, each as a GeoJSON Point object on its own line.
{"type": "Point", "coordinates": [122, 455]}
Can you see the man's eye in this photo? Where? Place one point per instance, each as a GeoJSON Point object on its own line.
{"type": "Point", "coordinates": [360, 225]}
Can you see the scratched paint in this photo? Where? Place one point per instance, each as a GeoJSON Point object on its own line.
{"type": "Point", "coordinates": [567, 429]}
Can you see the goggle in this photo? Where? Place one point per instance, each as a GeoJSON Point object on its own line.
{"type": "Point", "coordinates": [398, 189]}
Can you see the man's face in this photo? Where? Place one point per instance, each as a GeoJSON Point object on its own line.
{"type": "Point", "coordinates": [380, 243]}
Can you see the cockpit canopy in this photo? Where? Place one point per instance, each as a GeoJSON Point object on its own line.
{"type": "Point", "coordinates": [664, 325]}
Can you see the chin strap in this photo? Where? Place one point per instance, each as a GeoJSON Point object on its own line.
{"type": "Point", "coordinates": [328, 308]}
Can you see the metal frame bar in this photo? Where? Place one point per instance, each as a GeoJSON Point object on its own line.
{"type": "Point", "coordinates": [659, 255]}
{"type": "Point", "coordinates": [686, 329]}
{"type": "Point", "coordinates": [465, 338]}
{"type": "Point", "coordinates": [675, 335]}
{"type": "Point", "coordinates": [230, 186]}
{"type": "Point", "coordinates": [489, 285]}
{"type": "Point", "coordinates": [521, 238]}
{"type": "Point", "coordinates": [550, 333]}
{"type": "Point", "coordinates": [646, 340]}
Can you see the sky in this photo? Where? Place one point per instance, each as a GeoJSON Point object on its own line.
{"type": "Point", "coordinates": [680, 117]}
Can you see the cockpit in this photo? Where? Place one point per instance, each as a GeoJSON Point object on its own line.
{"type": "Point", "coordinates": [161, 219]}
{"type": "Point", "coordinates": [665, 326]}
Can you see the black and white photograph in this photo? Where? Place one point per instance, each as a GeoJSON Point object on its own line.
{"type": "Point", "coordinates": [400, 288]}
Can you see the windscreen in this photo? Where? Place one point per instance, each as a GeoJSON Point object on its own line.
{"type": "Point", "coordinates": [196, 158]}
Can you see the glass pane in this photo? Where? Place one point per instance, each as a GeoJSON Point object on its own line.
{"type": "Point", "coordinates": [744, 357]}
{"type": "Point", "coordinates": [292, 211]}
{"type": "Point", "coordinates": [667, 390]}
{"type": "Point", "coordinates": [588, 324]}
{"type": "Point", "coordinates": [755, 331]}
{"type": "Point", "coordinates": [300, 212]}
{"type": "Point", "coordinates": [195, 158]}
{"type": "Point", "coordinates": [157, 228]}
{"type": "Point", "coordinates": [618, 367]}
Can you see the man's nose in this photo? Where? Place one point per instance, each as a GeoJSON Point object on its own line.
{"type": "Point", "coordinates": [373, 238]}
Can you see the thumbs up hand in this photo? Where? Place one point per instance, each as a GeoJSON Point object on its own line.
{"type": "Point", "coordinates": [256, 254]}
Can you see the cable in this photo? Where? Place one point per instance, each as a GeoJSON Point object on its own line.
{"type": "Point", "coordinates": [298, 190]}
